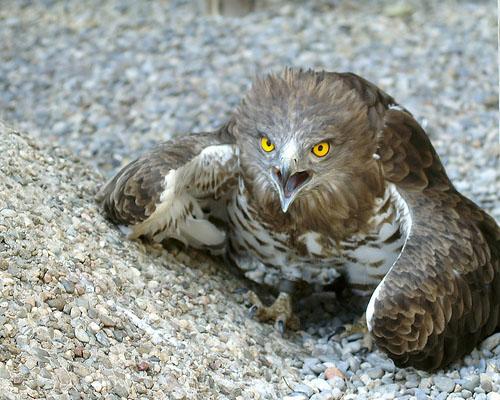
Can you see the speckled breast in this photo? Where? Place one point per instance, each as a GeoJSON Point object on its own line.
{"type": "Point", "coordinates": [271, 258]}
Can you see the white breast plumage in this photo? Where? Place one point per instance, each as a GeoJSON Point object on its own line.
{"type": "Point", "coordinates": [269, 257]}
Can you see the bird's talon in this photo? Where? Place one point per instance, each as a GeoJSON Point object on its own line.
{"type": "Point", "coordinates": [252, 311]}
{"type": "Point", "coordinates": [357, 329]}
{"type": "Point", "coordinates": [337, 331]}
{"type": "Point", "coordinates": [280, 326]}
{"type": "Point", "coordinates": [280, 312]}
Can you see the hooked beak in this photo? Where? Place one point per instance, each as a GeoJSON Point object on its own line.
{"type": "Point", "coordinates": [289, 183]}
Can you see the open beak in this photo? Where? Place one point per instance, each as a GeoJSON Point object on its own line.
{"type": "Point", "coordinates": [289, 183]}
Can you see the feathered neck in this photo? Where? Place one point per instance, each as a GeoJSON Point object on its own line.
{"type": "Point", "coordinates": [337, 209]}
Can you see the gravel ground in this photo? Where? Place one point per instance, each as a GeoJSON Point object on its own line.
{"type": "Point", "coordinates": [84, 313]}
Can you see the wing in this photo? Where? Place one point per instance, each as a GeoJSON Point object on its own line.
{"type": "Point", "coordinates": [166, 192]}
{"type": "Point", "coordinates": [442, 295]}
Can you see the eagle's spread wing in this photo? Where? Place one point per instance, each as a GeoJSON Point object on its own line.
{"type": "Point", "coordinates": [442, 295]}
{"type": "Point", "coordinates": [171, 190]}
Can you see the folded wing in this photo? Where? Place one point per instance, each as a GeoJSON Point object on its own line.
{"type": "Point", "coordinates": [442, 295]}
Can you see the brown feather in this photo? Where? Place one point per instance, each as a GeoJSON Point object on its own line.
{"type": "Point", "coordinates": [453, 246]}
{"type": "Point", "coordinates": [132, 195]}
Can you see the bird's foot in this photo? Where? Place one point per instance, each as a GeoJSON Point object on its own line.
{"type": "Point", "coordinates": [357, 327]}
{"type": "Point", "coordinates": [280, 312]}
{"type": "Point", "coordinates": [173, 246]}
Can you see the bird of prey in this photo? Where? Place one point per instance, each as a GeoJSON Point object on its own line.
{"type": "Point", "coordinates": [318, 175]}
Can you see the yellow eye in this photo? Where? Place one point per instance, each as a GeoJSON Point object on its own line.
{"type": "Point", "coordinates": [321, 149]}
{"type": "Point", "coordinates": [266, 145]}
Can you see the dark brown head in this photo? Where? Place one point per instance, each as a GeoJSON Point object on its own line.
{"type": "Point", "coordinates": [305, 135]}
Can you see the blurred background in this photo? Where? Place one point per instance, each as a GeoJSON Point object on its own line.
{"type": "Point", "coordinates": [108, 79]}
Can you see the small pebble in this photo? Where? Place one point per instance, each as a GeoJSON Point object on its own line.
{"type": "Point", "coordinates": [69, 287]}
{"type": "Point", "coordinates": [322, 396]}
{"type": "Point", "coordinates": [332, 372]}
{"type": "Point", "coordinates": [318, 368]}
{"type": "Point", "coordinates": [420, 395]}
{"type": "Point", "coordinates": [94, 327]}
{"type": "Point", "coordinates": [102, 338]}
{"type": "Point", "coordinates": [7, 213]}
{"type": "Point", "coordinates": [296, 396]}
{"type": "Point", "coordinates": [143, 366]}
{"type": "Point", "coordinates": [97, 386]}
{"type": "Point", "coordinates": [75, 312]}
{"type": "Point", "coordinates": [375, 373]}
{"type": "Point", "coordinates": [337, 382]}
{"type": "Point", "coordinates": [121, 390]}
{"type": "Point", "coordinates": [319, 384]}
{"type": "Point", "coordinates": [301, 388]}
{"type": "Point", "coordinates": [337, 394]}
{"type": "Point", "coordinates": [470, 382]}
{"type": "Point", "coordinates": [444, 383]}
{"type": "Point", "coordinates": [78, 351]}
{"type": "Point", "coordinates": [82, 335]}
{"type": "Point", "coordinates": [486, 383]}
{"type": "Point", "coordinates": [353, 364]}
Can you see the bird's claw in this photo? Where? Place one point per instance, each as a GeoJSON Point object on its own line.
{"type": "Point", "coordinates": [359, 326]}
{"type": "Point", "coordinates": [280, 325]}
{"type": "Point", "coordinates": [252, 311]}
{"type": "Point", "coordinates": [337, 331]}
{"type": "Point", "coordinates": [280, 312]}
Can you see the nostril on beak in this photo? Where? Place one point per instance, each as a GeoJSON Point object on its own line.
{"type": "Point", "coordinates": [277, 172]}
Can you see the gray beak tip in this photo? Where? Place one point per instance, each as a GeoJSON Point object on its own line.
{"type": "Point", "coordinates": [288, 183]}
{"type": "Point", "coordinates": [285, 203]}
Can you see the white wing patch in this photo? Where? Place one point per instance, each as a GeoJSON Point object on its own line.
{"type": "Point", "coordinates": [366, 254]}
{"type": "Point", "coordinates": [221, 153]}
{"type": "Point", "coordinates": [395, 106]}
{"type": "Point", "coordinates": [374, 257]}
{"type": "Point", "coordinates": [387, 231]}
{"type": "Point", "coordinates": [179, 212]}
{"type": "Point", "coordinates": [404, 216]}
{"type": "Point", "coordinates": [211, 170]}
{"type": "Point", "coordinates": [201, 232]}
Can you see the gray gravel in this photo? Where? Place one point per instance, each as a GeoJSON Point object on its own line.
{"type": "Point", "coordinates": [83, 312]}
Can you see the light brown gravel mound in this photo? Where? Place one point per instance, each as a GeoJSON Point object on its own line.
{"type": "Point", "coordinates": [84, 312]}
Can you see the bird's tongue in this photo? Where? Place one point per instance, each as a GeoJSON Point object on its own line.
{"type": "Point", "coordinates": [294, 182]}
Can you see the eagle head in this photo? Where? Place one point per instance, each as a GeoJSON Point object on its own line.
{"type": "Point", "coordinates": [302, 135]}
